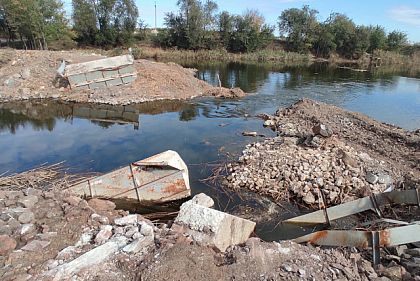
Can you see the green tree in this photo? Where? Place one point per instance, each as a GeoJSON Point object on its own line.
{"type": "Point", "coordinates": [343, 30]}
{"type": "Point", "coordinates": [226, 22]}
{"type": "Point", "coordinates": [299, 26]}
{"type": "Point", "coordinates": [35, 22]}
{"type": "Point", "coordinates": [377, 39]}
{"type": "Point", "coordinates": [105, 22]}
{"type": "Point", "coordinates": [396, 40]}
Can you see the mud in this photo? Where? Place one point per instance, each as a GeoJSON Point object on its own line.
{"type": "Point", "coordinates": [33, 75]}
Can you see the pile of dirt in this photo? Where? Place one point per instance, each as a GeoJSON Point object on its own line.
{"type": "Point", "coordinates": [33, 75]}
{"type": "Point", "coordinates": [322, 148]}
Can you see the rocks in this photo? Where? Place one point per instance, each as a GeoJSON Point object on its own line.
{"type": "Point", "coordinates": [101, 205]}
{"type": "Point", "coordinates": [269, 123]}
{"type": "Point", "coordinates": [394, 272]}
{"type": "Point", "coordinates": [127, 220]}
{"type": "Point", "coordinates": [203, 200]}
{"type": "Point", "coordinates": [67, 253]}
{"type": "Point", "coordinates": [139, 244]}
{"type": "Point", "coordinates": [26, 217]}
{"type": "Point", "coordinates": [99, 218]}
{"type": "Point", "coordinates": [371, 178]}
{"type": "Point", "coordinates": [7, 244]}
{"type": "Point", "coordinates": [9, 82]}
{"type": "Point", "coordinates": [25, 73]}
{"type": "Point", "coordinates": [35, 245]}
{"type": "Point", "coordinates": [309, 198]}
{"type": "Point", "coordinates": [27, 228]}
{"type": "Point", "coordinates": [214, 227]}
{"type": "Point", "coordinates": [414, 252]}
{"type": "Point", "coordinates": [88, 260]}
{"type": "Point", "coordinates": [72, 200]}
{"type": "Point", "coordinates": [104, 234]}
{"type": "Point", "coordinates": [322, 130]}
{"type": "Point", "coordinates": [28, 201]}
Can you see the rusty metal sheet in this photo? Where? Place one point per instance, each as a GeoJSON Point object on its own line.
{"type": "Point", "coordinates": [408, 197]}
{"type": "Point", "coordinates": [363, 239]}
{"type": "Point", "coordinates": [161, 178]}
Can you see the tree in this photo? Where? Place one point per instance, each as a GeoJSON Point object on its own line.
{"type": "Point", "coordinates": [35, 22]}
{"type": "Point", "coordinates": [105, 22]}
{"type": "Point", "coordinates": [226, 22]}
{"type": "Point", "coordinates": [377, 39]}
{"type": "Point", "coordinates": [250, 33]}
{"type": "Point", "coordinates": [396, 40]}
{"type": "Point", "coordinates": [344, 31]}
{"type": "Point", "coordinates": [299, 27]}
{"type": "Point", "coordinates": [324, 41]}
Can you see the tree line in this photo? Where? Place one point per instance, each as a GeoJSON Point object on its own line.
{"type": "Point", "coordinates": [304, 33]}
{"type": "Point", "coordinates": [40, 24]}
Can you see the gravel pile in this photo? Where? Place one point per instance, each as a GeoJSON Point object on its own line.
{"type": "Point", "coordinates": [316, 156]}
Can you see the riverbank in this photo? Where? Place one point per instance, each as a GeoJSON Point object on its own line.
{"type": "Point", "coordinates": [33, 75]}
{"type": "Point", "coordinates": [48, 234]}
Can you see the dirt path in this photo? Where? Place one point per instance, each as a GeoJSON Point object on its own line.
{"type": "Point", "coordinates": [33, 75]}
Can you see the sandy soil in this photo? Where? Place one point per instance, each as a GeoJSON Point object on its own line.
{"type": "Point", "coordinates": [32, 75]}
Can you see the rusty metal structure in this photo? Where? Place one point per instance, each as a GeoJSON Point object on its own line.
{"type": "Point", "coordinates": [402, 233]}
{"type": "Point", "coordinates": [100, 73]}
{"type": "Point", "coordinates": [158, 179]}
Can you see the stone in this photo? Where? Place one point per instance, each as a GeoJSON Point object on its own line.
{"type": "Point", "coordinates": [371, 178]}
{"type": "Point", "coordinates": [32, 191]}
{"type": "Point", "coordinates": [67, 253]}
{"type": "Point", "coordinates": [104, 234]}
{"type": "Point", "coordinates": [27, 228]}
{"type": "Point", "coordinates": [414, 252]}
{"type": "Point", "coordinates": [322, 130]}
{"type": "Point", "coordinates": [400, 249]}
{"type": "Point", "coordinates": [139, 244]}
{"type": "Point", "coordinates": [85, 239]}
{"type": "Point", "coordinates": [131, 231]}
{"type": "Point", "coordinates": [28, 201]}
{"type": "Point", "coordinates": [127, 220]}
{"type": "Point", "coordinates": [7, 245]}
{"type": "Point", "coordinates": [25, 73]}
{"type": "Point", "coordinates": [213, 227]}
{"type": "Point", "coordinates": [269, 123]}
{"type": "Point", "coordinates": [99, 218]}
{"type": "Point", "coordinates": [146, 229]}
{"type": "Point", "coordinates": [309, 198]}
{"type": "Point", "coordinates": [36, 245]}
{"type": "Point", "coordinates": [9, 82]}
{"type": "Point", "coordinates": [26, 217]}
{"type": "Point", "coordinates": [101, 205]}
{"type": "Point", "coordinates": [25, 93]}
{"type": "Point", "coordinates": [88, 260]}
{"type": "Point", "coordinates": [203, 200]}
{"type": "Point", "coordinates": [384, 178]}
{"type": "Point", "coordinates": [72, 200]}
{"type": "Point", "coordinates": [394, 272]}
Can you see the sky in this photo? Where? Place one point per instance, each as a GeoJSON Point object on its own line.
{"type": "Point", "coordinates": [402, 15]}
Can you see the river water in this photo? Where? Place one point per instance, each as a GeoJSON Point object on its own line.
{"type": "Point", "coordinates": [204, 130]}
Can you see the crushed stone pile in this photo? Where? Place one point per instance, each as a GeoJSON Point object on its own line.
{"type": "Point", "coordinates": [322, 148]}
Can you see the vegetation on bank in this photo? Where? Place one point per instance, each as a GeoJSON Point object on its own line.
{"type": "Point", "coordinates": [199, 31]}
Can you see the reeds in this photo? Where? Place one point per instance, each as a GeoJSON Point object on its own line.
{"type": "Point", "coordinates": [44, 177]}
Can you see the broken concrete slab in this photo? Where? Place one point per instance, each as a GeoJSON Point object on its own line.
{"type": "Point", "coordinates": [214, 227]}
{"type": "Point", "coordinates": [104, 234]}
{"type": "Point", "coordinates": [87, 260]}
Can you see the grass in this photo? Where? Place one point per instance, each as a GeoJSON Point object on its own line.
{"type": "Point", "coordinates": [279, 56]}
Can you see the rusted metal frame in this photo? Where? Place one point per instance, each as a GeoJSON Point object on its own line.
{"type": "Point", "coordinates": [408, 197]}
{"type": "Point", "coordinates": [134, 182]}
{"type": "Point", "coordinates": [364, 239]}
{"type": "Point", "coordinates": [143, 185]}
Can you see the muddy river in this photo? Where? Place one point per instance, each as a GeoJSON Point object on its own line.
{"type": "Point", "coordinates": [204, 131]}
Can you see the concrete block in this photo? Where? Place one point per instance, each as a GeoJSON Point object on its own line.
{"type": "Point", "coordinates": [214, 227]}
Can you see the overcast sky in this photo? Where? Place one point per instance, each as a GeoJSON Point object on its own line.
{"type": "Point", "coordinates": [403, 15]}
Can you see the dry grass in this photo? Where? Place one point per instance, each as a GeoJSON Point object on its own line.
{"type": "Point", "coordinates": [44, 177]}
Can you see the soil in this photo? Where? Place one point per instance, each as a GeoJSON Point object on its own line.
{"type": "Point", "coordinates": [33, 75]}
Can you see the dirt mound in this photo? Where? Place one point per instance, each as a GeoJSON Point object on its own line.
{"type": "Point", "coordinates": [322, 148]}
{"type": "Point", "coordinates": [257, 261]}
{"type": "Point", "coordinates": [33, 75]}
